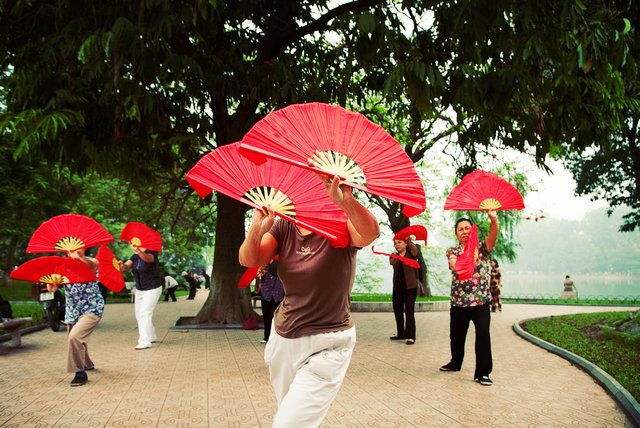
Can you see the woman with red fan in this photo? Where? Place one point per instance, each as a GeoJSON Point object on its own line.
{"type": "Point", "coordinates": [470, 301]}
{"type": "Point", "coordinates": [146, 272]}
{"type": "Point", "coordinates": [271, 294]}
{"type": "Point", "coordinates": [313, 335]}
{"type": "Point", "coordinates": [405, 290]}
{"type": "Point", "coordinates": [84, 307]}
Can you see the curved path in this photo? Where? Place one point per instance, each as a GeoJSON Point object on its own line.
{"type": "Point", "coordinates": [217, 378]}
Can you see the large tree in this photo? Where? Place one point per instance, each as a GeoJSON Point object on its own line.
{"type": "Point", "coordinates": [139, 88]}
{"type": "Point", "coordinates": [611, 171]}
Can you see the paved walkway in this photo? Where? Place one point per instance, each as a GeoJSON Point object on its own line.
{"type": "Point", "coordinates": [217, 378]}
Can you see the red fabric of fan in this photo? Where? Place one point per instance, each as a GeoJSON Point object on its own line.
{"type": "Point", "coordinates": [466, 263]}
{"type": "Point", "coordinates": [417, 231]}
{"type": "Point", "coordinates": [344, 143]}
{"type": "Point", "coordinates": [249, 275]}
{"type": "Point", "coordinates": [141, 235]}
{"type": "Point", "coordinates": [405, 260]}
{"type": "Point", "coordinates": [67, 232]}
{"type": "Point", "coordinates": [54, 270]}
{"type": "Point", "coordinates": [483, 191]}
{"type": "Point", "coordinates": [295, 194]}
{"type": "Point", "coordinates": [109, 272]}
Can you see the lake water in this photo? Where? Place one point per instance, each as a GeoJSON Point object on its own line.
{"type": "Point", "coordinates": [548, 286]}
{"type": "Point", "coordinates": [551, 286]}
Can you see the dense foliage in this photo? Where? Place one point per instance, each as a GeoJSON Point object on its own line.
{"type": "Point", "coordinates": [140, 90]}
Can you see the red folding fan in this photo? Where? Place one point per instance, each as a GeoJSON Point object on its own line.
{"type": "Point", "coordinates": [249, 275]}
{"type": "Point", "coordinates": [141, 235]}
{"type": "Point", "coordinates": [67, 232]}
{"type": "Point", "coordinates": [483, 191]}
{"type": "Point", "coordinates": [295, 194]}
{"type": "Point", "coordinates": [466, 263]}
{"type": "Point", "coordinates": [405, 260]}
{"type": "Point", "coordinates": [417, 231]}
{"type": "Point", "coordinates": [341, 143]}
{"type": "Point", "coordinates": [54, 270]}
{"type": "Point", "coordinates": [109, 272]}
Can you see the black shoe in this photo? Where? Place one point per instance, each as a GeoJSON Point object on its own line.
{"type": "Point", "coordinates": [79, 380]}
{"type": "Point", "coordinates": [396, 338]}
{"type": "Point", "coordinates": [484, 380]}
{"type": "Point", "coordinates": [449, 368]}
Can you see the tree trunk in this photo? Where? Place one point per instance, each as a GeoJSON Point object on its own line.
{"type": "Point", "coordinates": [227, 304]}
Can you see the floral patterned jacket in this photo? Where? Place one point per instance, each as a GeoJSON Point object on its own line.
{"type": "Point", "coordinates": [474, 291]}
{"type": "Point", "coordinates": [82, 298]}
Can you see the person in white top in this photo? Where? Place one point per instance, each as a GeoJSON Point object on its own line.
{"type": "Point", "coordinates": [170, 287]}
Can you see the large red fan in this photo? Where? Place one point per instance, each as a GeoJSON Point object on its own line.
{"type": "Point", "coordinates": [109, 272]}
{"type": "Point", "coordinates": [248, 276]}
{"type": "Point", "coordinates": [343, 143]}
{"type": "Point", "coordinates": [466, 263]}
{"type": "Point", "coordinates": [141, 235]}
{"type": "Point", "coordinates": [417, 231]}
{"type": "Point", "coordinates": [483, 191]}
{"type": "Point", "coordinates": [54, 270]}
{"type": "Point", "coordinates": [67, 232]}
{"type": "Point", "coordinates": [405, 260]}
{"type": "Point", "coordinates": [295, 194]}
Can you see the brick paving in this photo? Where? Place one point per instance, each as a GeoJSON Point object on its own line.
{"type": "Point", "coordinates": [217, 378]}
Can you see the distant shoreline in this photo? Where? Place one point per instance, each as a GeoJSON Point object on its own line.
{"type": "Point", "coordinates": [593, 276]}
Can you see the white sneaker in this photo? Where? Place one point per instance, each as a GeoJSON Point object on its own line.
{"type": "Point", "coordinates": [139, 347]}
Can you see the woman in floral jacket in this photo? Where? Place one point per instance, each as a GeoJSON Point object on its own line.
{"type": "Point", "coordinates": [470, 301]}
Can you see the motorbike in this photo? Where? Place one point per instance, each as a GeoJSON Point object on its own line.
{"type": "Point", "coordinates": [53, 303]}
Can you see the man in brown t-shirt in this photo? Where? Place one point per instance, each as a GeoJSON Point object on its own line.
{"type": "Point", "coordinates": [313, 335]}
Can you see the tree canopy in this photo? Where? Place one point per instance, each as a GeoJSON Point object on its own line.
{"type": "Point", "coordinates": [141, 90]}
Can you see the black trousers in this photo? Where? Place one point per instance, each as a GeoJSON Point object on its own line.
{"type": "Point", "coordinates": [170, 292]}
{"type": "Point", "coordinates": [268, 308]}
{"type": "Point", "coordinates": [192, 291]}
{"type": "Point", "coordinates": [404, 301]}
{"type": "Point", "coordinates": [459, 324]}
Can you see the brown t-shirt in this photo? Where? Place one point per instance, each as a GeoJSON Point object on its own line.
{"type": "Point", "coordinates": [317, 282]}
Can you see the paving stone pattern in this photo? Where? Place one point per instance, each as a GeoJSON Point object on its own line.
{"type": "Point", "coordinates": [217, 378]}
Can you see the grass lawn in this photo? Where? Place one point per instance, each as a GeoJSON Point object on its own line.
{"type": "Point", "coordinates": [606, 301]}
{"type": "Point", "coordinates": [610, 340]}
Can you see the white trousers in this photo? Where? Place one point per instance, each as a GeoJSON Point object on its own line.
{"type": "Point", "coordinates": [306, 374]}
{"type": "Point", "coordinates": [145, 303]}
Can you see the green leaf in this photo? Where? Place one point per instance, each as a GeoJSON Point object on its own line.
{"type": "Point", "coordinates": [627, 26]}
{"type": "Point", "coordinates": [367, 22]}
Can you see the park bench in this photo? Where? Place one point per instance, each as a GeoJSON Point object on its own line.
{"type": "Point", "coordinates": [12, 327]}
{"type": "Point", "coordinates": [256, 302]}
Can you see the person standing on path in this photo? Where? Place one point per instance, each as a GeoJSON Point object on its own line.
{"type": "Point", "coordinates": [271, 294]}
{"type": "Point", "coordinates": [145, 267]}
{"type": "Point", "coordinates": [170, 287]}
{"type": "Point", "coordinates": [470, 301]}
{"type": "Point", "coordinates": [84, 307]}
{"type": "Point", "coordinates": [313, 335]}
{"type": "Point", "coordinates": [405, 291]}
{"type": "Point", "coordinates": [193, 285]}
{"type": "Point", "coordinates": [207, 280]}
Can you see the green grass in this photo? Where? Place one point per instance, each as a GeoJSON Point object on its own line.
{"type": "Point", "coordinates": [34, 311]}
{"type": "Point", "coordinates": [19, 291]}
{"type": "Point", "coordinates": [595, 301]}
{"type": "Point", "coordinates": [610, 340]}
